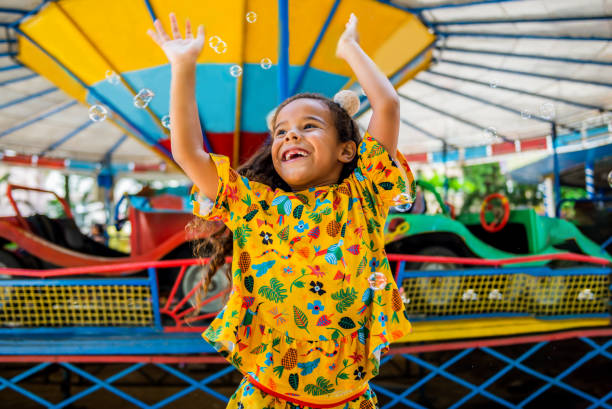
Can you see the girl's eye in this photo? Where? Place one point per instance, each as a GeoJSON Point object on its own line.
{"type": "Point", "coordinates": [280, 132]}
{"type": "Point", "coordinates": [309, 126]}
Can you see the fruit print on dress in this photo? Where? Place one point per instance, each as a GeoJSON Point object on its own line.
{"type": "Point", "coordinates": [314, 304]}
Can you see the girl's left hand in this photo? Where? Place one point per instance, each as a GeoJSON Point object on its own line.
{"type": "Point", "coordinates": [349, 38]}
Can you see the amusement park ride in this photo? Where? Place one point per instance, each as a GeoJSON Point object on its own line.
{"type": "Point", "coordinates": [473, 282]}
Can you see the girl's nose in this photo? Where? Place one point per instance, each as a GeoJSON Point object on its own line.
{"type": "Point", "coordinates": [292, 134]}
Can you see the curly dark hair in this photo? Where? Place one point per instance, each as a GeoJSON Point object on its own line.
{"type": "Point", "coordinates": [260, 168]}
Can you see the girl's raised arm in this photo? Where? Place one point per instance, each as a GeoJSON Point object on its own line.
{"type": "Point", "coordinates": [384, 124]}
{"type": "Point", "coordinates": [185, 133]}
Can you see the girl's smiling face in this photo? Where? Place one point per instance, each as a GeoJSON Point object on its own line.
{"type": "Point", "coordinates": [306, 151]}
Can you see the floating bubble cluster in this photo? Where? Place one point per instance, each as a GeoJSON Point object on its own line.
{"type": "Point", "coordinates": [166, 121]}
{"type": "Point", "coordinates": [143, 98]}
{"type": "Point", "coordinates": [547, 110]}
{"type": "Point", "coordinates": [217, 44]}
{"type": "Point", "coordinates": [494, 83]}
{"type": "Point", "coordinates": [97, 113]}
{"type": "Point", "coordinates": [112, 77]}
{"type": "Point", "coordinates": [236, 70]}
{"type": "Point", "coordinates": [251, 17]}
{"type": "Point", "coordinates": [266, 63]}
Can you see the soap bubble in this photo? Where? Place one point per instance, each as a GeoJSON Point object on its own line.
{"type": "Point", "coordinates": [251, 16]}
{"type": "Point", "coordinates": [97, 113]}
{"type": "Point", "coordinates": [166, 121]}
{"type": "Point", "coordinates": [112, 77]}
{"type": "Point", "coordinates": [143, 98]}
{"type": "Point", "coordinates": [490, 132]}
{"type": "Point", "coordinates": [377, 281]}
{"type": "Point", "coordinates": [236, 70]}
{"type": "Point", "coordinates": [213, 41]}
{"type": "Point", "coordinates": [525, 114]}
{"type": "Point", "coordinates": [494, 83]}
{"type": "Point", "coordinates": [221, 47]}
{"type": "Point", "coordinates": [547, 110]}
{"type": "Point", "coordinates": [266, 63]}
{"type": "Point", "coordinates": [610, 178]}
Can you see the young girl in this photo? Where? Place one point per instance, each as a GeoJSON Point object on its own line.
{"type": "Point", "coordinates": [313, 304]}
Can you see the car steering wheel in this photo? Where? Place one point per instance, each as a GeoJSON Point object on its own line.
{"type": "Point", "coordinates": [501, 213]}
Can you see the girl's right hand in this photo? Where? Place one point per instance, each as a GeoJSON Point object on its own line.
{"type": "Point", "coordinates": [177, 49]}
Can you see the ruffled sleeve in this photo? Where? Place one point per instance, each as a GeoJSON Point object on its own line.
{"type": "Point", "coordinates": [235, 197]}
{"type": "Point", "coordinates": [383, 180]}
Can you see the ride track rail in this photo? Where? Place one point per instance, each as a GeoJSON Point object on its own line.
{"type": "Point", "coordinates": [439, 359]}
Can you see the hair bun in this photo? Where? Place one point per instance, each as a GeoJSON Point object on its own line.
{"type": "Point", "coordinates": [270, 118]}
{"type": "Point", "coordinates": [348, 100]}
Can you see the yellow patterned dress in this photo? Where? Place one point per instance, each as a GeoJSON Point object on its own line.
{"type": "Point", "coordinates": [313, 304]}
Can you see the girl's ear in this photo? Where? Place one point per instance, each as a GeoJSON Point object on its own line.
{"type": "Point", "coordinates": [347, 151]}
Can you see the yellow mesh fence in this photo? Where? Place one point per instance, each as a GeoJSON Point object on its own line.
{"type": "Point", "coordinates": [506, 294]}
{"type": "Point", "coordinates": [75, 305]}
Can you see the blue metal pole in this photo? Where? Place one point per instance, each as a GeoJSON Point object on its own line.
{"type": "Point", "coordinates": [315, 47]}
{"type": "Point", "coordinates": [589, 180]}
{"type": "Point", "coordinates": [109, 153]}
{"type": "Point", "coordinates": [14, 80]}
{"type": "Point", "coordinates": [448, 114]}
{"type": "Point", "coordinates": [525, 73]}
{"type": "Point", "coordinates": [443, 34]}
{"type": "Point", "coordinates": [443, 6]}
{"type": "Point", "coordinates": [556, 169]}
{"type": "Point", "coordinates": [529, 56]}
{"type": "Point", "coordinates": [533, 94]}
{"type": "Point", "coordinates": [11, 67]}
{"type": "Point", "coordinates": [421, 130]}
{"type": "Point", "coordinates": [283, 50]}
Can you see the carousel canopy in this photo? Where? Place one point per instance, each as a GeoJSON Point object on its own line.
{"type": "Point", "coordinates": [477, 79]}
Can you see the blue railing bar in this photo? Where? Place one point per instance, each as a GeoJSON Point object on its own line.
{"type": "Point", "coordinates": [145, 329]}
{"type": "Point", "coordinates": [315, 47]}
{"type": "Point", "coordinates": [448, 114]}
{"type": "Point", "coordinates": [105, 384]}
{"type": "Point", "coordinates": [12, 383]}
{"type": "Point", "coordinates": [28, 97]}
{"type": "Point", "coordinates": [150, 10]}
{"type": "Point", "coordinates": [38, 118]}
{"type": "Point", "coordinates": [67, 282]}
{"type": "Point", "coordinates": [443, 34]}
{"type": "Point", "coordinates": [444, 6]}
{"type": "Point", "coordinates": [94, 388]}
{"type": "Point", "coordinates": [283, 50]}
{"type": "Point", "coordinates": [155, 295]}
{"type": "Point", "coordinates": [11, 67]}
{"type": "Point", "coordinates": [591, 200]}
{"type": "Point", "coordinates": [498, 375]}
{"type": "Point", "coordinates": [25, 392]}
{"type": "Point", "coordinates": [530, 56]}
{"type": "Point", "coordinates": [426, 379]}
{"type": "Point", "coordinates": [601, 400]}
{"type": "Point", "coordinates": [54, 145]}
{"type": "Point", "coordinates": [556, 381]}
{"type": "Point", "coordinates": [8, 41]}
{"type": "Point", "coordinates": [594, 345]}
{"type": "Point", "coordinates": [519, 20]}
{"type": "Point", "coordinates": [533, 271]}
{"type": "Point", "coordinates": [194, 384]}
{"type": "Point", "coordinates": [14, 80]}
{"type": "Point", "coordinates": [533, 94]}
{"type": "Point", "coordinates": [8, 54]}
{"type": "Point", "coordinates": [99, 97]}
{"type": "Point", "coordinates": [508, 314]}
{"type": "Point", "coordinates": [456, 379]}
{"type": "Point", "coordinates": [388, 393]}
{"type": "Point", "coordinates": [482, 100]}
{"type": "Point", "coordinates": [543, 377]}
{"type": "Point", "coordinates": [525, 73]}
